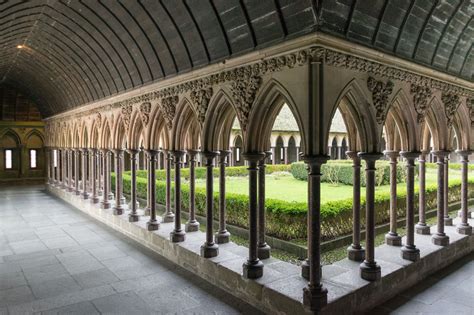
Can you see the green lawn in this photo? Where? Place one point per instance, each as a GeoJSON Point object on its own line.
{"type": "Point", "coordinates": [283, 186]}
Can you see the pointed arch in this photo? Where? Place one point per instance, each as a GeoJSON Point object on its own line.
{"type": "Point", "coordinates": [185, 121]}
{"type": "Point", "coordinates": [157, 134]}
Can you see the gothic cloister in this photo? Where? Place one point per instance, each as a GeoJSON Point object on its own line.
{"type": "Point", "coordinates": [131, 88]}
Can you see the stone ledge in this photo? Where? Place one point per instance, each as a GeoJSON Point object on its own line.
{"type": "Point", "coordinates": [279, 291]}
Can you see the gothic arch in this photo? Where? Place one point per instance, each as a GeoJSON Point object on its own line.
{"type": "Point", "coordinates": [186, 120]}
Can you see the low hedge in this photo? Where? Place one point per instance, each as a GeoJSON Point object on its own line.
{"type": "Point", "coordinates": [287, 220]}
{"type": "Point", "coordinates": [231, 171]}
{"type": "Point", "coordinates": [452, 166]}
{"type": "Point", "coordinates": [342, 173]}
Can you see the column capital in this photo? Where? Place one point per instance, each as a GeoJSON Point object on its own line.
{"type": "Point", "coordinates": [178, 153]}
{"type": "Point", "coordinates": [410, 155]}
{"type": "Point", "coordinates": [209, 154]}
{"type": "Point", "coordinates": [117, 151]}
{"type": "Point", "coordinates": [253, 156]}
{"type": "Point", "coordinates": [370, 156]}
{"type": "Point", "coordinates": [192, 153]}
{"type": "Point", "coordinates": [352, 155]}
{"type": "Point", "coordinates": [315, 159]}
{"type": "Point", "coordinates": [392, 154]}
{"type": "Point", "coordinates": [151, 152]}
{"type": "Point", "coordinates": [464, 153]}
{"type": "Point", "coordinates": [440, 153]}
{"type": "Point", "coordinates": [133, 151]}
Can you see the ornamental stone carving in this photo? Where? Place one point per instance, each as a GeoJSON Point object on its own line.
{"type": "Point", "coordinates": [145, 109]}
{"type": "Point", "coordinates": [470, 105]}
{"type": "Point", "coordinates": [201, 100]}
{"type": "Point", "coordinates": [420, 100]}
{"type": "Point", "coordinates": [98, 120]}
{"type": "Point", "coordinates": [168, 106]}
{"type": "Point", "coordinates": [126, 115]}
{"type": "Point", "coordinates": [380, 93]}
{"type": "Point", "coordinates": [244, 90]}
{"type": "Point", "coordinates": [451, 103]}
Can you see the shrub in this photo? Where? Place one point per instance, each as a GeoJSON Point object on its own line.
{"type": "Point", "coordinates": [336, 172]}
{"type": "Point", "coordinates": [452, 166]}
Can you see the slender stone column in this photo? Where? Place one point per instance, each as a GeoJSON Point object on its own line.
{"type": "Point", "coordinates": [123, 201]}
{"type": "Point", "coordinates": [70, 187]}
{"type": "Point", "coordinates": [133, 215]}
{"type": "Point", "coordinates": [263, 249]}
{"type": "Point", "coordinates": [315, 294]}
{"type": "Point", "coordinates": [85, 154]}
{"type": "Point", "coordinates": [63, 169]}
{"type": "Point", "coordinates": [48, 165]}
{"type": "Point", "coordinates": [422, 227]}
{"type": "Point", "coordinates": [392, 238]}
{"type": "Point", "coordinates": [192, 225]}
{"type": "Point", "coordinates": [148, 181]}
{"type": "Point", "coordinates": [253, 267]}
{"type": "Point", "coordinates": [355, 252]}
{"type": "Point", "coordinates": [178, 234]}
{"type": "Point", "coordinates": [209, 248]}
{"type": "Point", "coordinates": [440, 238]}
{"type": "Point", "coordinates": [118, 208]}
{"type": "Point", "coordinates": [152, 224]}
{"type": "Point", "coordinates": [447, 220]}
{"type": "Point", "coordinates": [100, 172]}
{"type": "Point", "coordinates": [168, 216]}
{"type": "Point", "coordinates": [106, 154]}
{"type": "Point", "coordinates": [369, 269]}
{"type": "Point", "coordinates": [464, 227]}
{"type": "Point", "coordinates": [285, 152]}
{"type": "Point", "coordinates": [93, 166]}
{"type": "Point", "coordinates": [297, 154]}
{"type": "Point", "coordinates": [222, 236]}
{"type": "Point", "coordinates": [76, 171]}
{"type": "Point", "coordinates": [55, 168]}
{"type": "Point", "coordinates": [409, 251]}
{"type": "Point", "coordinates": [272, 149]}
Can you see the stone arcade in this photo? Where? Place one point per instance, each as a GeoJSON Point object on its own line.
{"type": "Point", "coordinates": [104, 103]}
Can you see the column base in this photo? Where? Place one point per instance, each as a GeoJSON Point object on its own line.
{"type": "Point", "coordinates": [105, 205]}
{"type": "Point", "coordinates": [95, 199]}
{"type": "Point", "coordinates": [70, 189]}
{"type": "Point", "coordinates": [123, 201]}
{"type": "Point", "coordinates": [147, 211]}
{"type": "Point", "coordinates": [253, 270]}
{"type": "Point", "coordinates": [111, 196]}
{"type": "Point", "coordinates": [133, 217]}
{"type": "Point", "coordinates": [263, 251]}
{"type": "Point", "coordinates": [393, 239]}
{"type": "Point", "coordinates": [177, 236]}
{"type": "Point", "coordinates": [85, 195]}
{"type": "Point", "coordinates": [356, 253]}
{"type": "Point", "coordinates": [440, 239]}
{"type": "Point", "coordinates": [222, 237]}
{"type": "Point", "coordinates": [168, 217]}
{"type": "Point", "coordinates": [305, 269]}
{"type": "Point", "coordinates": [422, 229]}
{"type": "Point", "coordinates": [410, 253]}
{"type": "Point", "coordinates": [192, 226]}
{"type": "Point", "coordinates": [152, 225]}
{"type": "Point", "coordinates": [315, 297]}
{"type": "Point", "coordinates": [137, 205]}
{"type": "Point", "coordinates": [448, 221]}
{"type": "Point", "coordinates": [100, 193]}
{"type": "Point", "coordinates": [464, 229]}
{"type": "Point", "coordinates": [370, 271]}
{"type": "Point", "coordinates": [209, 250]}
{"type": "Point", "coordinates": [118, 210]}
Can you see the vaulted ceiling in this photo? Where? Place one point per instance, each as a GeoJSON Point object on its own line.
{"type": "Point", "coordinates": [68, 53]}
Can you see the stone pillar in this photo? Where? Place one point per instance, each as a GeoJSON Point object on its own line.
{"type": "Point", "coordinates": [447, 220]}
{"type": "Point", "coordinates": [133, 215]}
{"type": "Point", "coordinates": [222, 236]}
{"type": "Point", "coordinates": [100, 169]}
{"type": "Point", "coordinates": [168, 216]}
{"type": "Point", "coordinates": [118, 208]}
{"type": "Point", "coordinates": [253, 267]}
{"type": "Point", "coordinates": [297, 154]}
{"type": "Point", "coordinates": [152, 224]}
{"type": "Point", "coordinates": [148, 189]}
{"type": "Point", "coordinates": [355, 252]}
{"type": "Point", "coordinates": [94, 175]}
{"type": "Point", "coordinates": [272, 149]}
{"type": "Point", "coordinates": [47, 164]}
{"type": "Point", "coordinates": [55, 168]}
{"type": "Point", "coordinates": [392, 238]}
{"type": "Point", "coordinates": [76, 171]}
{"type": "Point", "coordinates": [178, 234]}
{"type": "Point", "coordinates": [70, 187]}
{"type": "Point", "coordinates": [369, 269]}
{"type": "Point", "coordinates": [263, 249]}
{"type": "Point", "coordinates": [315, 294]}
{"type": "Point", "coordinates": [123, 201]}
{"type": "Point", "coordinates": [209, 248]}
{"type": "Point", "coordinates": [192, 225]}
{"type": "Point", "coordinates": [85, 154]}
{"type": "Point", "coordinates": [464, 227]}
{"type": "Point", "coordinates": [409, 251]}
{"type": "Point", "coordinates": [106, 155]}
{"type": "Point", "coordinates": [422, 227]}
{"type": "Point", "coordinates": [63, 169]}
{"type": "Point", "coordinates": [440, 238]}
{"type": "Point", "coordinates": [231, 156]}
{"type": "Point", "coordinates": [285, 152]}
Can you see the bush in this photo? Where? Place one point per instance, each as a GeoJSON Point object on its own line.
{"type": "Point", "coordinates": [336, 172]}
{"type": "Point", "coordinates": [287, 220]}
{"type": "Point", "coordinates": [452, 166]}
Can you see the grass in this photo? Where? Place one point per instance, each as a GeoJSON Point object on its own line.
{"type": "Point", "coordinates": [284, 186]}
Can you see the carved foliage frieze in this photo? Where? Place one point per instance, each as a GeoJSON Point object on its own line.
{"type": "Point", "coordinates": [98, 120]}
{"type": "Point", "coordinates": [470, 106]}
{"type": "Point", "coordinates": [451, 103]}
{"type": "Point", "coordinates": [380, 94]}
{"type": "Point", "coordinates": [244, 90]}
{"type": "Point", "coordinates": [168, 106]}
{"type": "Point", "coordinates": [126, 114]}
{"type": "Point", "coordinates": [421, 94]}
{"type": "Point", "coordinates": [200, 100]}
{"type": "Point", "coordinates": [145, 109]}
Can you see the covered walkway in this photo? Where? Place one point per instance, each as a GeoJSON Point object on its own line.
{"type": "Point", "coordinates": [55, 259]}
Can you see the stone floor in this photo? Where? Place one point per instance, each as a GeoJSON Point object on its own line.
{"type": "Point", "coordinates": [450, 291]}
{"type": "Point", "coordinates": [54, 259]}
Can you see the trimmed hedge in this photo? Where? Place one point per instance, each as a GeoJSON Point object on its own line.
{"type": "Point", "coordinates": [342, 173]}
{"type": "Point", "coordinates": [200, 172]}
{"type": "Point", "coordinates": [452, 166]}
{"type": "Point", "coordinates": [287, 220]}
